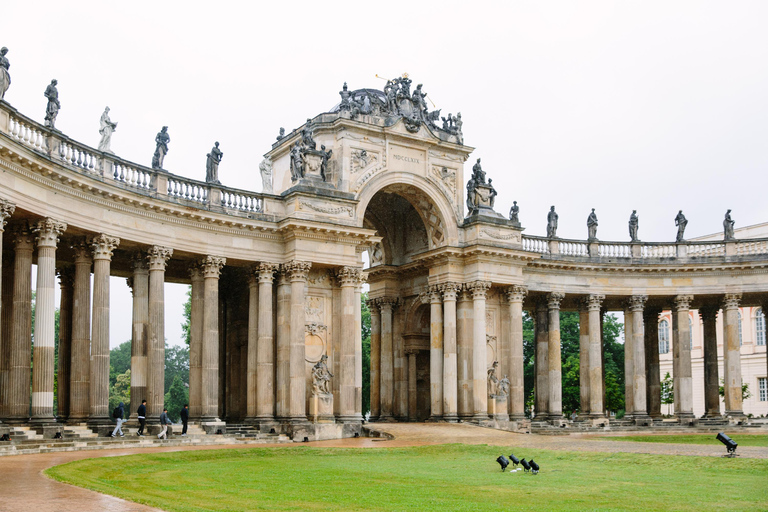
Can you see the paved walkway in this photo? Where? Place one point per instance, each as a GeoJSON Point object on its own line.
{"type": "Point", "coordinates": [24, 488]}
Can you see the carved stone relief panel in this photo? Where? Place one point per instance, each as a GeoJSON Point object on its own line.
{"type": "Point", "coordinates": [316, 334]}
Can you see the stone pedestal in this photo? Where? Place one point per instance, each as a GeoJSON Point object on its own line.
{"type": "Point", "coordinates": [500, 410]}
{"type": "Point", "coordinates": [492, 406]}
{"type": "Point", "coordinates": [321, 408]}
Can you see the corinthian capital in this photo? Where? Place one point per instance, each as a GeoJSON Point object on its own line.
{"type": "Point", "coordinates": [349, 276]}
{"type": "Point", "coordinates": [516, 293]}
{"type": "Point", "coordinates": [594, 302]}
{"type": "Point", "coordinates": [449, 290]}
{"type": "Point", "coordinates": [683, 302]}
{"type": "Point", "coordinates": [158, 257]}
{"type": "Point", "coordinates": [6, 210]}
{"type": "Point", "coordinates": [22, 237]}
{"type": "Point", "coordinates": [103, 246]}
{"type": "Point", "coordinates": [731, 300]}
{"type": "Point", "coordinates": [298, 270]}
{"type": "Point", "coordinates": [48, 231]}
{"type": "Point", "coordinates": [266, 271]}
{"type": "Point", "coordinates": [554, 299]}
{"type": "Point", "coordinates": [479, 289]}
{"type": "Point", "coordinates": [212, 265]}
{"type": "Point", "coordinates": [637, 302]}
{"type": "Point", "coordinates": [82, 251]}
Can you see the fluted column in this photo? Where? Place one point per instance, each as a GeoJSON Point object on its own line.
{"type": "Point", "coordinates": [555, 362]}
{"type": "Point", "coordinates": [584, 358]}
{"type": "Point", "coordinates": [708, 316]}
{"type": "Point", "coordinates": [652, 368]}
{"type": "Point", "coordinates": [48, 231]}
{"type": "Point", "coordinates": [361, 280]}
{"type": "Point", "coordinates": [251, 370]}
{"type": "Point", "coordinates": [6, 210]}
{"type": "Point", "coordinates": [21, 330]}
{"type": "Point", "coordinates": [636, 306]}
{"type": "Point", "coordinates": [139, 283]}
{"type": "Point", "coordinates": [349, 278]}
{"type": "Point", "coordinates": [450, 361]}
{"type": "Point", "coordinates": [629, 363]}
{"type": "Point", "coordinates": [541, 362]}
{"type": "Point", "coordinates": [211, 266]}
{"type": "Point", "coordinates": [681, 335]}
{"type": "Point", "coordinates": [732, 355]}
{"type": "Point", "coordinates": [412, 385]}
{"type": "Point", "coordinates": [464, 330]}
{"type": "Point", "coordinates": [66, 280]}
{"type": "Point", "coordinates": [596, 403]}
{"type": "Point", "coordinates": [283, 332]}
{"type": "Point", "coordinates": [516, 366]}
{"type": "Point", "coordinates": [265, 351]}
{"type": "Point", "coordinates": [297, 405]}
{"type": "Point", "coordinates": [387, 363]}
{"type": "Point", "coordinates": [479, 342]}
{"type": "Point", "coordinates": [197, 311]}
{"type": "Point", "coordinates": [435, 354]}
{"type": "Point", "coordinates": [157, 257]}
{"type": "Point", "coordinates": [102, 246]}
{"type": "Point", "coordinates": [80, 371]}
{"type": "Point", "coordinates": [373, 306]}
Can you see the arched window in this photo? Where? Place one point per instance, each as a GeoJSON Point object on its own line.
{"type": "Point", "coordinates": [663, 337]}
{"type": "Point", "coordinates": [759, 327]}
{"type": "Point", "coordinates": [741, 340]}
{"type": "Point", "coordinates": [690, 333]}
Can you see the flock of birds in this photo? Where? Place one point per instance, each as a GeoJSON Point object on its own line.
{"type": "Point", "coordinates": [528, 465]}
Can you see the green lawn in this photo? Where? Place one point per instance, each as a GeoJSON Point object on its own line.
{"type": "Point", "coordinates": [442, 478]}
{"type": "Point", "coordinates": [741, 439]}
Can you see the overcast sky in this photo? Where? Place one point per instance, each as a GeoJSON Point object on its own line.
{"type": "Point", "coordinates": [653, 106]}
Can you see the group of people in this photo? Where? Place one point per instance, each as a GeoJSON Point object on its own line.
{"type": "Point", "coordinates": [141, 413]}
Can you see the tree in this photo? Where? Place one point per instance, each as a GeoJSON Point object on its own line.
{"type": "Point", "coordinates": [366, 335]}
{"type": "Point", "coordinates": [119, 361]}
{"type": "Point", "coordinates": [120, 391]}
{"type": "Point", "coordinates": [667, 390]}
{"type": "Point", "coordinates": [185, 325]}
{"type": "Point", "coordinates": [176, 397]}
{"type": "Point", "coordinates": [176, 364]}
{"type": "Point", "coordinates": [745, 392]}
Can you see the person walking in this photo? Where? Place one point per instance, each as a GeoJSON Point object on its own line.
{"type": "Point", "coordinates": [142, 414]}
{"type": "Point", "coordinates": [184, 413]}
{"type": "Point", "coordinates": [164, 422]}
{"type": "Point", "coordinates": [119, 415]}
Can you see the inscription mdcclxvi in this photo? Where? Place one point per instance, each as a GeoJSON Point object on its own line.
{"type": "Point", "coordinates": [406, 159]}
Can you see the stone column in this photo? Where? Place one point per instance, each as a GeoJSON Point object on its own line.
{"type": "Point", "coordinates": [555, 362]}
{"type": "Point", "coordinates": [102, 246]}
{"type": "Point", "coordinates": [265, 351]}
{"type": "Point", "coordinates": [412, 387]}
{"type": "Point", "coordinates": [435, 354]}
{"type": "Point", "coordinates": [479, 291]}
{"type": "Point", "coordinates": [6, 210]}
{"type": "Point", "coordinates": [21, 330]}
{"type": "Point", "coordinates": [211, 266]}
{"type": "Point", "coordinates": [48, 231]}
{"type": "Point", "coordinates": [652, 368]}
{"type": "Point", "coordinates": [516, 366]}
{"type": "Point", "coordinates": [732, 355]}
{"type": "Point", "coordinates": [596, 403]}
{"type": "Point", "coordinates": [197, 311]}
{"type": "Point", "coordinates": [387, 363]}
{"type": "Point", "coordinates": [251, 392]}
{"type": "Point", "coordinates": [541, 362]}
{"type": "Point", "coordinates": [158, 259]}
{"type": "Point", "coordinates": [373, 306]}
{"type": "Point", "coordinates": [361, 280]}
{"type": "Point", "coordinates": [66, 280]}
{"type": "Point", "coordinates": [629, 363]}
{"type": "Point", "coordinates": [584, 358]}
{"type": "Point", "coordinates": [464, 330]}
{"type": "Point", "coordinates": [297, 404]}
{"type": "Point", "coordinates": [636, 306]}
{"type": "Point", "coordinates": [80, 372]}
{"type": "Point", "coordinates": [450, 362]}
{"type": "Point", "coordinates": [139, 284]}
{"type": "Point", "coordinates": [283, 343]}
{"type": "Point", "coordinates": [708, 316]}
{"type": "Point", "coordinates": [683, 378]}
{"type": "Point", "coordinates": [348, 279]}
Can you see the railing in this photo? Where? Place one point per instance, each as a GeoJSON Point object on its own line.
{"type": "Point", "coordinates": [614, 250]}
{"type": "Point", "coordinates": [191, 190]}
{"type": "Point", "coordinates": [535, 244]}
{"type": "Point", "coordinates": [749, 247]}
{"type": "Point", "coordinates": [658, 250]}
{"type": "Point", "coordinates": [241, 200]}
{"type": "Point", "coordinates": [573, 248]}
{"type": "Point", "coordinates": [706, 249]}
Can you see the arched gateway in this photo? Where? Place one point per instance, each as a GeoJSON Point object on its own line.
{"type": "Point", "coordinates": [276, 281]}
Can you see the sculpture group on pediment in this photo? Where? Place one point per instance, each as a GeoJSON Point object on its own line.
{"type": "Point", "coordinates": [480, 192]}
{"type": "Point", "coordinates": [306, 159]}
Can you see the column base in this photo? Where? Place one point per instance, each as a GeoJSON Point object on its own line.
{"type": "Point", "coordinates": [451, 418]}
{"type": "Point", "coordinates": [517, 417]}
{"type": "Point", "coordinates": [479, 416]}
{"type": "Point", "coordinates": [386, 419]}
{"type": "Point", "coordinates": [373, 419]}
{"type": "Point", "coordinates": [350, 418]}
{"type": "Point", "coordinates": [435, 419]}
{"type": "Point", "coordinates": [686, 418]}
{"type": "Point", "coordinates": [213, 425]}
{"type": "Point", "coordinates": [642, 420]}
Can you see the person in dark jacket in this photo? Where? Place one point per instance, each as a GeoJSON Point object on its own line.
{"type": "Point", "coordinates": [164, 422]}
{"type": "Point", "coordinates": [142, 414]}
{"type": "Point", "coordinates": [119, 414]}
{"type": "Point", "coordinates": [184, 413]}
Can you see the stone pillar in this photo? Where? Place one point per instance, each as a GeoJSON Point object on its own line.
{"type": "Point", "coordinates": [297, 404]}
{"type": "Point", "coordinates": [283, 343]}
{"type": "Point", "coordinates": [479, 291]}
{"type": "Point", "coordinates": [48, 231]}
{"type": "Point", "coordinates": [435, 354]}
{"type": "Point", "coordinates": [251, 392]}
{"type": "Point", "coordinates": [373, 306]}
{"type": "Point", "coordinates": [265, 351]}
{"type": "Point", "coordinates": [541, 362]}
{"type": "Point", "coordinates": [516, 365]}
{"type": "Point", "coordinates": [197, 311]}
{"type": "Point", "coordinates": [412, 387]}
{"type": "Point", "coordinates": [349, 278]}
{"type": "Point", "coordinates": [683, 378]}
{"type": "Point", "coordinates": [450, 362]}
{"type": "Point", "coordinates": [652, 368]}
{"type": "Point", "coordinates": [732, 355]}
{"type": "Point", "coordinates": [21, 330]}
{"type": "Point", "coordinates": [708, 316]}
{"type": "Point", "coordinates": [102, 246]}
{"type": "Point", "coordinates": [464, 330]}
{"type": "Point", "coordinates": [139, 284]}
{"type": "Point", "coordinates": [67, 281]}
{"type": "Point", "coordinates": [80, 372]}
{"type": "Point", "coordinates": [361, 280]}
{"type": "Point", "coordinates": [629, 363]}
{"type": "Point", "coordinates": [158, 258]}
{"type": "Point", "coordinates": [596, 398]}
{"type": "Point", "coordinates": [211, 266]}
{"type": "Point", "coordinates": [6, 210]}
{"type": "Point", "coordinates": [555, 362]}
{"type": "Point", "coordinates": [584, 358]}
{"type": "Point", "coordinates": [387, 363]}
{"type": "Point", "coordinates": [636, 306]}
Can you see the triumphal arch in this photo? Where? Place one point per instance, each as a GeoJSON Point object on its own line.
{"type": "Point", "coordinates": [276, 280]}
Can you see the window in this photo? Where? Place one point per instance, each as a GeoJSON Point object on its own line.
{"type": "Point", "coordinates": [762, 389]}
{"type": "Point", "coordinates": [741, 340]}
{"type": "Point", "coordinates": [663, 337]}
{"type": "Point", "coordinates": [760, 327]}
{"type": "Point", "coordinates": [690, 333]}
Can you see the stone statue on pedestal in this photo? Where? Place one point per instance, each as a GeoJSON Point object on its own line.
{"type": "Point", "coordinates": [633, 223]}
{"type": "Point", "coordinates": [52, 110]}
{"type": "Point", "coordinates": [418, 101]}
{"type": "Point", "coordinates": [502, 389]}
{"type": "Point", "coordinates": [281, 134]}
{"type": "Point", "coordinates": [513, 213]}
{"type": "Point", "coordinates": [592, 225]}
{"type": "Point", "coordinates": [321, 377]}
{"type": "Point", "coordinates": [480, 194]}
{"type": "Point", "coordinates": [493, 380]}
{"type": "Point", "coordinates": [324, 165]}
{"type": "Point", "coordinates": [297, 163]}
{"type": "Point", "coordinates": [306, 136]}
{"type": "Point", "coordinates": [5, 77]}
{"type": "Point", "coordinates": [458, 124]}
{"type": "Point", "coordinates": [161, 139]}
{"type": "Point", "coordinates": [265, 168]}
{"type": "Point", "coordinates": [728, 226]}
{"type": "Point", "coordinates": [680, 222]}
{"type": "Point", "coordinates": [552, 223]}
{"type": "Point", "coordinates": [106, 129]}
{"type": "Point", "coordinates": [212, 165]}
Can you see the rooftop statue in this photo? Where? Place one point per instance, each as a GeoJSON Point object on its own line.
{"type": "Point", "coordinates": [212, 165]}
{"type": "Point", "coordinates": [345, 95]}
{"type": "Point", "coordinates": [592, 225]}
{"type": "Point", "coordinates": [281, 134]}
{"type": "Point", "coordinates": [52, 110]}
{"type": "Point", "coordinates": [265, 168]}
{"type": "Point", "coordinates": [552, 223]}
{"type": "Point", "coordinates": [321, 377]}
{"type": "Point", "coordinates": [161, 139]}
{"type": "Point", "coordinates": [513, 213]}
{"type": "Point", "coordinates": [106, 129]}
{"type": "Point", "coordinates": [418, 100]}
{"type": "Point", "coordinates": [728, 224]}
{"type": "Point", "coordinates": [324, 165]}
{"type": "Point", "coordinates": [633, 222]}
{"type": "Point", "coordinates": [680, 222]}
{"type": "Point", "coordinates": [306, 136]}
{"type": "Point", "coordinates": [458, 123]}
{"type": "Point", "coordinates": [5, 77]}
{"type": "Point", "coordinates": [297, 163]}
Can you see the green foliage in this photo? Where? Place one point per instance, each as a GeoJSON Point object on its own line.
{"type": "Point", "coordinates": [185, 325]}
{"type": "Point", "coordinates": [119, 361]}
{"type": "Point", "coordinates": [120, 391]}
{"type": "Point", "coordinates": [667, 390]}
{"type": "Point", "coordinates": [366, 335]}
{"type": "Point", "coordinates": [176, 364]}
{"type": "Point", "coordinates": [176, 397]}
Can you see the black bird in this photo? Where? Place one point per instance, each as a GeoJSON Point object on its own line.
{"type": "Point", "coordinates": [526, 466]}
{"type": "Point", "coordinates": [503, 462]}
{"type": "Point", "coordinates": [534, 467]}
{"type": "Point", "coordinates": [514, 459]}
